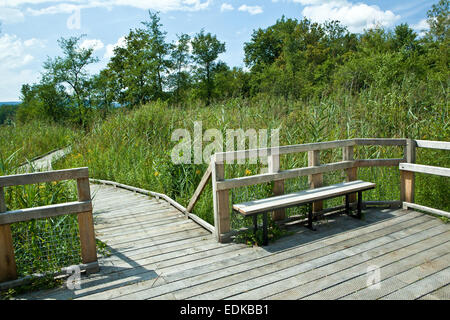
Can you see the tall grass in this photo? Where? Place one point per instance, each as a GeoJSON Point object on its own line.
{"type": "Point", "coordinates": [133, 147]}
{"type": "Point", "coordinates": [44, 245]}
{"type": "Point", "coordinates": [32, 139]}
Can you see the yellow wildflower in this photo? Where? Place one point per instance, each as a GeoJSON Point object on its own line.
{"type": "Point", "coordinates": [247, 172]}
{"type": "Point", "coordinates": [156, 173]}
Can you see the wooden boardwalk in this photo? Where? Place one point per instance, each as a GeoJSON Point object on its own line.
{"type": "Point", "coordinates": [156, 253]}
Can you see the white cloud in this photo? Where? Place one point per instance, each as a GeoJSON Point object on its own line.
{"type": "Point", "coordinates": [121, 43]}
{"type": "Point", "coordinates": [421, 27]}
{"type": "Point", "coordinates": [68, 6]}
{"type": "Point", "coordinates": [356, 17]}
{"type": "Point", "coordinates": [92, 44]}
{"type": "Point", "coordinates": [226, 7]}
{"type": "Point", "coordinates": [11, 15]}
{"type": "Point", "coordinates": [251, 9]}
{"type": "Point", "coordinates": [15, 57]}
{"type": "Point", "coordinates": [13, 51]}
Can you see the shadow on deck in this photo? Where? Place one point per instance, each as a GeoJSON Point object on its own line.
{"type": "Point", "coordinates": [158, 254]}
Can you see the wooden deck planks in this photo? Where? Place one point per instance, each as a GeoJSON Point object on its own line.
{"type": "Point", "coordinates": [422, 287]}
{"type": "Point", "coordinates": [287, 269]}
{"type": "Point", "coordinates": [159, 254]}
{"type": "Point", "coordinates": [430, 261]}
{"type": "Point", "coordinates": [252, 264]}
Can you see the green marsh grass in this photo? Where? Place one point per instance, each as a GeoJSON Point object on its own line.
{"type": "Point", "coordinates": [134, 147]}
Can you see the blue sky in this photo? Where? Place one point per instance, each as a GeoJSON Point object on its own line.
{"type": "Point", "coordinates": [30, 28]}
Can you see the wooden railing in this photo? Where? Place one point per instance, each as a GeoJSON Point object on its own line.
{"type": "Point", "coordinates": [409, 168]}
{"type": "Point", "coordinates": [82, 207]}
{"type": "Point", "coordinates": [314, 171]}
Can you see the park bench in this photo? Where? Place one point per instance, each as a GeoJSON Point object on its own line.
{"type": "Point", "coordinates": [306, 197]}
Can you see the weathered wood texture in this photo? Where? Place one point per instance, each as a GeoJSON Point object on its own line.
{"type": "Point", "coordinates": [351, 174]}
{"type": "Point", "coordinates": [44, 212]}
{"type": "Point", "coordinates": [278, 186]}
{"type": "Point", "coordinates": [407, 178]}
{"type": "Point", "coordinates": [438, 171]}
{"type": "Point", "coordinates": [83, 208]}
{"type": "Point", "coordinates": [315, 180]}
{"type": "Point", "coordinates": [158, 196]}
{"type": "Point", "coordinates": [158, 257]}
{"type": "Point", "coordinates": [441, 145]}
{"type": "Point", "coordinates": [41, 177]}
{"type": "Point", "coordinates": [298, 198]}
{"type": "Point", "coordinates": [221, 200]}
{"type": "Point", "coordinates": [86, 224]}
{"type": "Point", "coordinates": [245, 154]}
{"type": "Point", "coordinates": [282, 175]}
{"type": "Point", "coordinates": [443, 213]}
{"type": "Point", "coordinates": [8, 269]}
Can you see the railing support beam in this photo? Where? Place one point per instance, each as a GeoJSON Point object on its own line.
{"type": "Point", "coordinates": [221, 201]}
{"type": "Point", "coordinates": [351, 174]}
{"type": "Point", "coordinates": [407, 178]}
{"type": "Point", "coordinates": [315, 180]}
{"type": "Point", "coordinates": [278, 186]}
{"type": "Point", "coordinates": [8, 268]}
{"type": "Point", "coordinates": [86, 224]}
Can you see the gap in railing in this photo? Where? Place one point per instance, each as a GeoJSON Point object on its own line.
{"type": "Point", "coordinates": [430, 190]}
{"type": "Point", "coordinates": [44, 245]}
{"type": "Point", "coordinates": [379, 152]}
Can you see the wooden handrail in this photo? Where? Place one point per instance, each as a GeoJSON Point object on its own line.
{"type": "Point", "coordinates": [409, 168]}
{"type": "Point", "coordinates": [314, 171]}
{"type": "Point", "coordinates": [245, 154]}
{"type": "Point", "coordinates": [440, 145]}
{"type": "Point", "coordinates": [420, 168]}
{"type": "Point", "coordinates": [82, 207]}
{"type": "Point", "coordinates": [44, 212]}
{"type": "Point", "coordinates": [299, 172]}
{"type": "Point", "coordinates": [41, 177]}
{"type": "Point", "coordinates": [297, 148]}
{"type": "Point", "coordinates": [228, 184]}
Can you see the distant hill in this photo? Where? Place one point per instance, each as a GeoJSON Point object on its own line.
{"type": "Point", "coordinates": [9, 103]}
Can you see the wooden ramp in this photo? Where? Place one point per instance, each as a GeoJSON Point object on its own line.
{"type": "Point", "coordinates": [156, 253]}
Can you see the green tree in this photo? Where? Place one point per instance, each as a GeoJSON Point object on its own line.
{"type": "Point", "coordinates": [206, 49]}
{"type": "Point", "coordinates": [179, 79]}
{"type": "Point", "coordinates": [159, 50]}
{"type": "Point", "coordinates": [439, 20]}
{"type": "Point", "coordinates": [131, 69]}
{"type": "Point", "coordinates": [70, 70]}
{"type": "Point", "coordinates": [137, 71]}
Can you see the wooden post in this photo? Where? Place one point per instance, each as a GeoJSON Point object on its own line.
{"type": "Point", "coordinates": [351, 173]}
{"type": "Point", "coordinates": [221, 201]}
{"type": "Point", "coordinates": [407, 178]}
{"type": "Point", "coordinates": [8, 269]}
{"type": "Point", "coordinates": [278, 186]}
{"type": "Point", "coordinates": [315, 180]}
{"type": "Point", "coordinates": [86, 224]}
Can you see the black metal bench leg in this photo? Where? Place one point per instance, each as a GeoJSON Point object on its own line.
{"type": "Point", "coordinates": [265, 236]}
{"type": "Point", "coordinates": [310, 217]}
{"type": "Point", "coordinates": [359, 205]}
{"type": "Point", "coordinates": [255, 224]}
